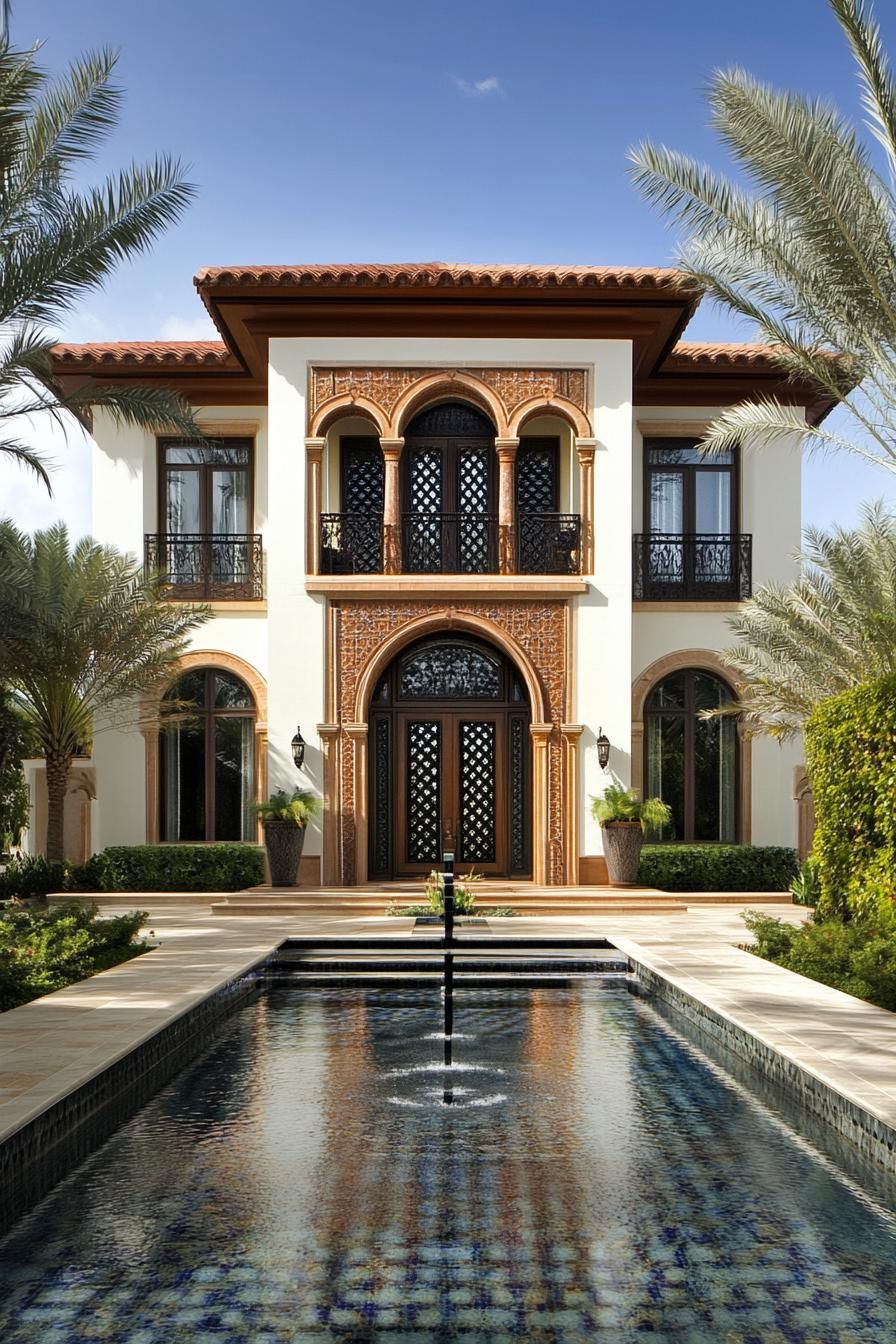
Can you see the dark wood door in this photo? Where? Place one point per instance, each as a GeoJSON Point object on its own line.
{"type": "Point", "coordinates": [450, 506]}
{"type": "Point", "coordinates": [451, 791]}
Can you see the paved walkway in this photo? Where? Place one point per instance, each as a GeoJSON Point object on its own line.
{"type": "Point", "coordinates": [50, 1046]}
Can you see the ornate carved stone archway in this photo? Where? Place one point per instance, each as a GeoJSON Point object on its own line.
{"type": "Point", "coordinates": [364, 637]}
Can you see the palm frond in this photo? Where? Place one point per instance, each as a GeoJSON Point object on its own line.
{"type": "Point", "coordinates": [807, 250]}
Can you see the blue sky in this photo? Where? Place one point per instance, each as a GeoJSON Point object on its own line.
{"type": "Point", "coordinates": [481, 130]}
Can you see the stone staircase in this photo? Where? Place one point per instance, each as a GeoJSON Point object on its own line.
{"type": "Point", "coordinates": [523, 898]}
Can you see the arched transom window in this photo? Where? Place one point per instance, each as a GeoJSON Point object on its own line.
{"type": "Point", "coordinates": [207, 757]}
{"type": "Point", "coordinates": [691, 760]}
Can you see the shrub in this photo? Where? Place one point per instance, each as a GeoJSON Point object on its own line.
{"type": "Point", "coordinates": [44, 950]}
{"type": "Point", "coordinates": [858, 956]}
{"type": "Point", "coordinates": [218, 867]}
{"type": "Point", "coordinates": [806, 887]}
{"type": "Point", "coordinates": [851, 758]}
{"type": "Point", "coordinates": [718, 867]}
{"type": "Point", "coordinates": [31, 877]}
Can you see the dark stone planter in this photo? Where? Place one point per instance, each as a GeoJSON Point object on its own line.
{"type": "Point", "coordinates": [284, 842]}
{"type": "Point", "coordinates": [622, 847]}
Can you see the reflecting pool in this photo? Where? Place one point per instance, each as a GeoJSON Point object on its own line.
{"type": "Point", "coordinates": [594, 1177]}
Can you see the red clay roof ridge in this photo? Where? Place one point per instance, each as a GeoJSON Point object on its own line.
{"type": "Point", "coordinates": [432, 274]}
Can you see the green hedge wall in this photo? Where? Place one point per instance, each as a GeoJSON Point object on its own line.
{"type": "Point", "coordinates": [219, 867]}
{"type": "Point", "coordinates": [851, 760]}
{"type": "Point", "coordinates": [718, 867]}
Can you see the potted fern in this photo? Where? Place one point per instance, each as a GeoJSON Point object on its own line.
{"type": "Point", "coordinates": [284, 818]}
{"type": "Point", "coordinates": [624, 817]}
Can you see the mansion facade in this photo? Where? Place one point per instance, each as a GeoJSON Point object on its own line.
{"type": "Point", "coordinates": [457, 536]}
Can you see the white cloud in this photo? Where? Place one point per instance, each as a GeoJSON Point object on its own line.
{"type": "Point", "coordinates": [478, 88]}
{"type": "Point", "coordinates": [175, 328]}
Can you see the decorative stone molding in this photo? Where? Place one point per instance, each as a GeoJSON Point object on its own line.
{"type": "Point", "coordinates": [314, 458]}
{"type": "Point", "coordinates": [391, 396]}
{"type": "Point", "coordinates": [368, 635]}
{"type": "Point", "coordinates": [149, 727]}
{"type": "Point", "coordinates": [585, 449]}
{"type": "Point", "coordinates": [705, 660]}
{"type": "Point", "coordinates": [805, 810]}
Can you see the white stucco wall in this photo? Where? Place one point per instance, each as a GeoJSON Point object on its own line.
{"type": "Point", "coordinates": [285, 644]}
{"type": "Point", "coordinates": [770, 489]}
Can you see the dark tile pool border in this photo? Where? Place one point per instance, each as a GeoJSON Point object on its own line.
{"type": "Point", "coordinates": [872, 1137]}
{"type": "Point", "coordinates": [47, 1147]}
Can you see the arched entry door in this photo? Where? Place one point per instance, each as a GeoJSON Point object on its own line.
{"type": "Point", "coordinates": [449, 734]}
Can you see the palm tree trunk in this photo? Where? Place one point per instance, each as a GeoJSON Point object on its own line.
{"type": "Point", "coordinates": [57, 783]}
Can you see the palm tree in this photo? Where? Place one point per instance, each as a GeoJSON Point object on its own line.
{"type": "Point", "coordinates": [58, 244]}
{"type": "Point", "coordinates": [831, 629]}
{"type": "Point", "coordinates": [808, 255]}
{"type": "Point", "coordinates": [85, 633]}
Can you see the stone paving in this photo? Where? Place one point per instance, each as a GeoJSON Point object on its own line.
{"type": "Point", "coordinates": [49, 1047]}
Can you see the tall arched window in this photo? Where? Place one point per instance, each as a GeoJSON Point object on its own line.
{"type": "Point", "coordinates": [207, 757]}
{"type": "Point", "coordinates": [691, 761]}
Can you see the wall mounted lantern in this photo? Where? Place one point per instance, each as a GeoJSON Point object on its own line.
{"type": "Point", "coordinates": [603, 749]}
{"type": "Point", "coordinates": [298, 749]}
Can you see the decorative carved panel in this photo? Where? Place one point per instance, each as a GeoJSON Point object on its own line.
{"type": "Point", "coordinates": [384, 386]}
{"type": "Point", "coordinates": [477, 762]}
{"type": "Point", "coordinates": [538, 627]}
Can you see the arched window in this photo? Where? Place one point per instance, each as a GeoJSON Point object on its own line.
{"type": "Point", "coordinates": [207, 757]}
{"type": "Point", "coordinates": [691, 761]}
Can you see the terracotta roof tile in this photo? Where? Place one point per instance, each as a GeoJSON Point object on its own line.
{"type": "Point", "coordinates": [180, 353]}
{"type": "Point", "coordinates": [432, 274]}
{"type": "Point", "coordinates": [734, 354]}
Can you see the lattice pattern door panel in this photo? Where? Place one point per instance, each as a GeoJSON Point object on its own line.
{"type": "Point", "coordinates": [424, 808]}
{"type": "Point", "coordinates": [473, 494]}
{"type": "Point", "coordinates": [536, 478]}
{"type": "Point", "coordinates": [426, 481]}
{"type": "Point", "coordinates": [382, 796]}
{"type": "Point", "coordinates": [518, 844]}
{"type": "Point", "coordinates": [476, 767]}
{"type": "Point", "coordinates": [363, 478]}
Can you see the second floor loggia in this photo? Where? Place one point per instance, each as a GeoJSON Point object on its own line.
{"type": "Point", "coordinates": [449, 497]}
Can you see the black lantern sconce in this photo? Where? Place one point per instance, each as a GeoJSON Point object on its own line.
{"type": "Point", "coordinates": [298, 749]}
{"type": "Point", "coordinates": [603, 749]}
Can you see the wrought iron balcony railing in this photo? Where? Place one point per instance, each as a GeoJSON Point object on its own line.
{"type": "Point", "coordinates": [219, 566]}
{"type": "Point", "coordinates": [351, 543]}
{"type": "Point", "coordinates": [696, 566]}
{"type": "Point", "coordinates": [549, 543]}
{"type": "Point", "coordinates": [450, 543]}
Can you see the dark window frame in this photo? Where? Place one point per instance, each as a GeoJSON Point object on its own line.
{"type": "Point", "coordinates": [688, 714]}
{"type": "Point", "coordinates": [205, 471]}
{"type": "Point", "coordinates": [208, 712]}
{"type": "Point", "coordinates": [690, 471]}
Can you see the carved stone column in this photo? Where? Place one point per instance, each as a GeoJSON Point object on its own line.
{"type": "Point", "coordinates": [357, 732]}
{"type": "Point", "coordinates": [541, 740]}
{"type": "Point", "coordinates": [392, 506]}
{"type": "Point", "coordinates": [570, 733]}
{"type": "Point", "coordinates": [314, 459]}
{"type": "Point", "coordinates": [506, 450]}
{"type": "Point", "coordinates": [585, 457]}
{"type": "Point", "coordinates": [331, 874]}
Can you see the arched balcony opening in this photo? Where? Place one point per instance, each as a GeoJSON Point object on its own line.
{"type": "Point", "coordinates": [451, 492]}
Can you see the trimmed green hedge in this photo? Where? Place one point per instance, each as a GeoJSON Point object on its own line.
{"type": "Point", "coordinates": [718, 867]}
{"type": "Point", "coordinates": [851, 759]}
{"type": "Point", "coordinates": [219, 867]}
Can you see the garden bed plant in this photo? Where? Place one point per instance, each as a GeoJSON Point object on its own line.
{"type": "Point", "coordinates": [44, 950]}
